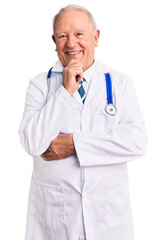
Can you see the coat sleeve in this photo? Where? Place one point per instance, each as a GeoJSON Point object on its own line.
{"type": "Point", "coordinates": [124, 142]}
{"type": "Point", "coordinates": [42, 121]}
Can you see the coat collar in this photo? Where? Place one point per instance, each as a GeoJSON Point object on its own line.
{"type": "Point", "coordinates": [58, 67]}
{"type": "Point", "coordinates": [98, 75]}
{"type": "Point", "coordinates": [97, 81]}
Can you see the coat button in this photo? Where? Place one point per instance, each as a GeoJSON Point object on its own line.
{"type": "Point", "coordinates": [82, 237]}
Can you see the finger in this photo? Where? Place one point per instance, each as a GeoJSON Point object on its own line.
{"type": "Point", "coordinates": [49, 158]}
{"type": "Point", "coordinates": [74, 61]}
{"type": "Point", "coordinates": [46, 154]}
{"type": "Point", "coordinates": [79, 78]}
{"type": "Point", "coordinates": [77, 65]}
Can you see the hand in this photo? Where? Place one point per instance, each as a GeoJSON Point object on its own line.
{"type": "Point", "coordinates": [61, 147]}
{"type": "Point", "coordinates": [72, 75]}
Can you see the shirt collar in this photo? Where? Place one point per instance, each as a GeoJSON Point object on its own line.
{"type": "Point", "coordinates": [58, 67]}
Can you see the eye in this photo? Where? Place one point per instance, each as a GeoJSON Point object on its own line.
{"type": "Point", "coordinates": [62, 36]}
{"type": "Point", "coordinates": [79, 34]}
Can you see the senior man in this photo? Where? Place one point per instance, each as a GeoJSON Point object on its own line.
{"type": "Point", "coordinates": [79, 187]}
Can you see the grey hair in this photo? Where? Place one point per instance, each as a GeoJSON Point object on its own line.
{"type": "Point", "coordinates": [76, 7]}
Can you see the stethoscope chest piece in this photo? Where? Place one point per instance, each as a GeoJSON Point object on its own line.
{"type": "Point", "coordinates": [111, 109]}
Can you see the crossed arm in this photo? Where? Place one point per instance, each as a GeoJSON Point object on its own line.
{"type": "Point", "coordinates": [124, 142]}
{"type": "Point", "coordinates": [61, 147]}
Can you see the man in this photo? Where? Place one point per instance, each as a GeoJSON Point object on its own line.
{"type": "Point", "coordinates": [79, 186]}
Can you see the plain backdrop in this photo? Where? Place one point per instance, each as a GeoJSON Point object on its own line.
{"type": "Point", "coordinates": [133, 41]}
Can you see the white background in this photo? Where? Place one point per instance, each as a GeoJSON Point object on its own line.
{"type": "Point", "coordinates": [134, 41]}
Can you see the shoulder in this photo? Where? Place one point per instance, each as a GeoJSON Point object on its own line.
{"type": "Point", "coordinates": [39, 82]}
{"type": "Point", "coordinates": [118, 78]}
{"type": "Point", "coordinates": [39, 79]}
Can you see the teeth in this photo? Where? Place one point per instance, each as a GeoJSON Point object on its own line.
{"type": "Point", "coordinates": [73, 53]}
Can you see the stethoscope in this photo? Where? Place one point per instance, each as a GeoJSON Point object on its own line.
{"type": "Point", "coordinates": [110, 108]}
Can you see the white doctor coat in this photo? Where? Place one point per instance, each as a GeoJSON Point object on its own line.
{"type": "Point", "coordinates": [86, 195]}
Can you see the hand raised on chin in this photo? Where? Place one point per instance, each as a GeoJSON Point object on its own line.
{"type": "Point", "coordinates": [72, 75]}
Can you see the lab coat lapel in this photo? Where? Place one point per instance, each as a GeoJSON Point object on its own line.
{"type": "Point", "coordinates": [77, 97]}
{"type": "Point", "coordinates": [98, 78]}
{"type": "Point", "coordinates": [93, 88]}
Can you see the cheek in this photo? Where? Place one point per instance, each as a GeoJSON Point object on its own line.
{"type": "Point", "coordinates": [90, 49]}
{"type": "Point", "coordinates": [59, 46]}
{"type": "Point", "coordinates": [82, 44]}
{"type": "Point", "coordinates": [88, 44]}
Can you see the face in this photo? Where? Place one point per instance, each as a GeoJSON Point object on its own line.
{"type": "Point", "coordinates": [75, 38]}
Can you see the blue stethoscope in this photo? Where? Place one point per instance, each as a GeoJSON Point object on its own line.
{"type": "Point", "coordinates": [110, 108]}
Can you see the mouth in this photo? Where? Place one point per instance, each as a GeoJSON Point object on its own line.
{"type": "Point", "coordinates": [73, 54]}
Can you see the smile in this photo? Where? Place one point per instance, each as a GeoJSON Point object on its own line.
{"type": "Point", "coordinates": [73, 53]}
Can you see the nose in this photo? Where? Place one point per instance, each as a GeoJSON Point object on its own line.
{"type": "Point", "coordinates": [71, 41]}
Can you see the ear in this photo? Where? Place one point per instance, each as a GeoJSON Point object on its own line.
{"type": "Point", "coordinates": [54, 40]}
{"type": "Point", "coordinates": [96, 37]}
{"type": "Point", "coordinates": [53, 37]}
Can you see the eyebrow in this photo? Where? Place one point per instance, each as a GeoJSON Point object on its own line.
{"type": "Point", "coordinates": [59, 32]}
{"type": "Point", "coordinates": [78, 30]}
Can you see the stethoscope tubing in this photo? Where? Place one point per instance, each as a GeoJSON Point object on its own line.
{"type": "Point", "coordinates": [109, 88]}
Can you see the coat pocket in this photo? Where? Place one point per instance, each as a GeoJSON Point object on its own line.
{"type": "Point", "coordinates": [106, 121]}
{"type": "Point", "coordinates": [118, 205]}
{"type": "Point", "coordinates": [49, 201]}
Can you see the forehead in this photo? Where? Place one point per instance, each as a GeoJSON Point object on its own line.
{"type": "Point", "coordinates": [72, 18]}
